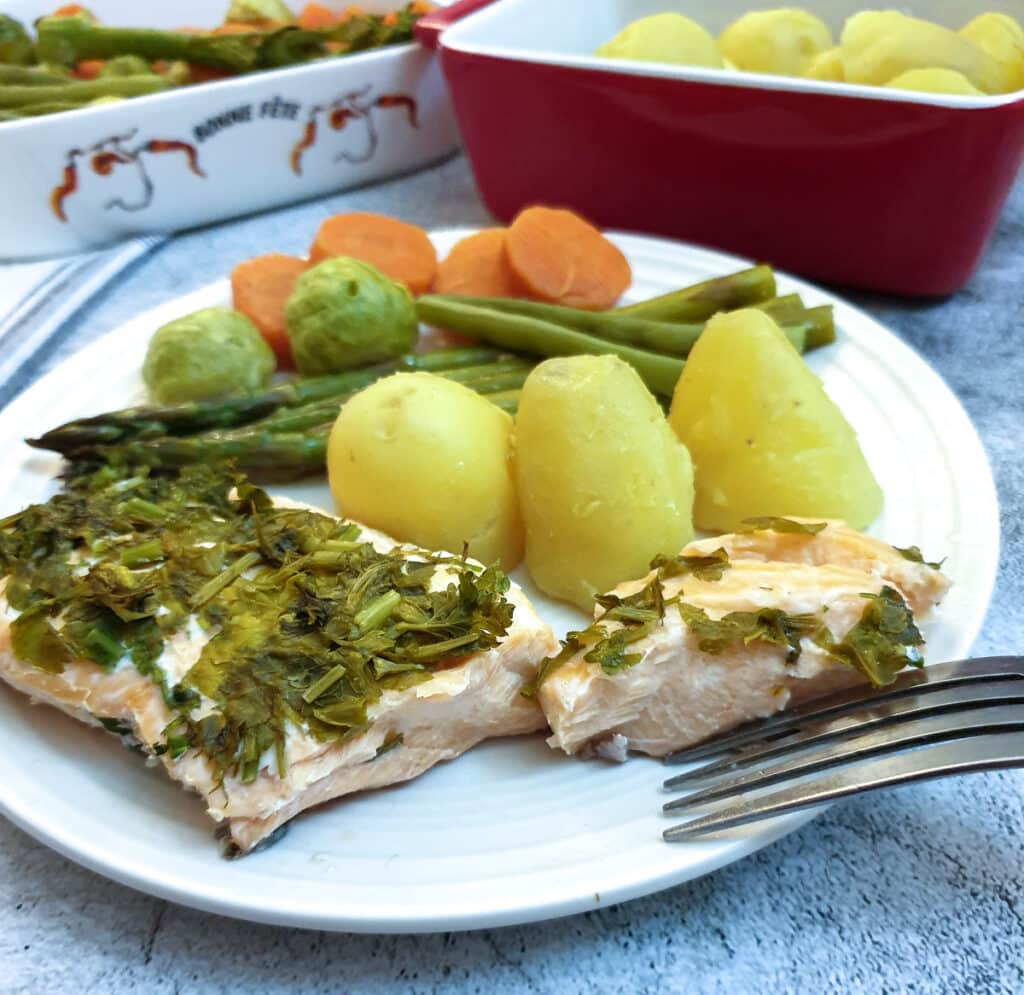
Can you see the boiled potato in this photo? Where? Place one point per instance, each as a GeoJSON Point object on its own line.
{"type": "Point", "coordinates": [878, 46]}
{"type": "Point", "coordinates": [827, 66]}
{"type": "Point", "coordinates": [428, 461]}
{"type": "Point", "coordinates": [764, 436]}
{"type": "Point", "coordinates": [668, 38]}
{"type": "Point", "coordinates": [784, 41]}
{"type": "Point", "coordinates": [1001, 38]}
{"type": "Point", "coordinates": [603, 483]}
{"type": "Point", "coordinates": [935, 81]}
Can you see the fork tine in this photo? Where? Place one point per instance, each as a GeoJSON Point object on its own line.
{"type": "Point", "coordinates": [991, 751]}
{"type": "Point", "coordinates": [878, 714]}
{"type": "Point", "coordinates": [909, 682]}
{"type": "Point", "coordinates": [916, 733]}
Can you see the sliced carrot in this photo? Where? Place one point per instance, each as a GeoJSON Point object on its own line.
{"type": "Point", "coordinates": [477, 265]}
{"type": "Point", "coordinates": [400, 251]}
{"type": "Point", "coordinates": [88, 68]}
{"type": "Point", "coordinates": [559, 257]}
{"type": "Point", "coordinates": [245, 27]}
{"type": "Point", "coordinates": [316, 15]}
{"type": "Point", "coordinates": [260, 288]}
{"type": "Point", "coordinates": [69, 10]}
{"type": "Point", "coordinates": [352, 10]}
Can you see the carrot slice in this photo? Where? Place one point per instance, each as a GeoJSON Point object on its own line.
{"type": "Point", "coordinates": [246, 27]}
{"type": "Point", "coordinates": [69, 10]}
{"type": "Point", "coordinates": [260, 288]}
{"type": "Point", "coordinates": [316, 15]}
{"type": "Point", "coordinates": [400, 251]}
{"type": "Point", "coordinates": [88, 68]}
{"type": "Point", "coordinates": [477, 265]}
{"type": "Point", "coordinates": [559, 257]}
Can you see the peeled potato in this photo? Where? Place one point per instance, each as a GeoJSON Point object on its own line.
{"type": "Point", "coordinates": [1001, 38]}
{"type": "Point", "coordinates": [784, 41]}
{"type": "Point", "coordinates": [668, 38]}
{"type": "Point", "coordinates": [764, 436]}
{"type": "Point", "coordinates": [935, 81]}
{"type": "Point", "coordinates": [428, 461]}
{"type": "Point", "coordinates": [604, 484]}
{"type": "Point", "coordinates": [827, 66]}
{"type": "Point", "coordinates": [880, 45]}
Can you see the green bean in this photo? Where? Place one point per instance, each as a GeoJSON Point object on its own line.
{"type": "Point", "coordinates": [50, 107]}
{"type": "Point", "coordinates": [66, 40]}
{"type": "Point", "coordinates": [544, 338]}
{"type": "Point", "coordinates": [507, 400]}
{"type": "Point", "coordinates": [28, 76]}
{"type": "Point", "coordinates": [700, 301]}
{"type": "Point", "coordinates": [658, 336]}
{"type": "Point", "coordinates": [80, 92]}
{"type": "Point", "coordinates": [670, 338]}
{"type": "Point", "coordinates": [786, 304]}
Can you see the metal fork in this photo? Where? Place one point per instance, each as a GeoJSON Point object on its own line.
{"type": "Point", "coordinates": [952, 718]}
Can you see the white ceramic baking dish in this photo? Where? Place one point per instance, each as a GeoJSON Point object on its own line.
{"type": "Point", "coordinates": [79, 179]}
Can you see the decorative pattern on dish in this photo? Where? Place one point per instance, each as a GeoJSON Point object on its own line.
{"type": "Point", "coordinates": [111, 167]}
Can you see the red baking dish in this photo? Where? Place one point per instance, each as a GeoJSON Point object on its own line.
{"type": "Point", "coordinates": [885, 189]}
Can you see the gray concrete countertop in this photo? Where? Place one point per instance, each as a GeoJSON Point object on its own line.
{"type": "Point", "coordinates": [916, 890]}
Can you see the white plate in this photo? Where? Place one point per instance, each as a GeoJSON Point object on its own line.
{"type": "Point", "coordinates": [512, 831]}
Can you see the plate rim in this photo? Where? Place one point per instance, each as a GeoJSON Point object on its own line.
{"type": "Point", "coordinates": [152, 879]}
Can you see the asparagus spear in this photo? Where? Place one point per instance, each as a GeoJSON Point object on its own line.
{"type": "Point", "coordinates": [699, 302]}
{"type": "Point", "coordinates": [282, 456]}
{"type": "Point", "coordinates": [544, 338]}
{"type": "Point", "coordinates": [670, 338]}
{"type": "Point", "coordinates": [500, 376]}
{"type": "Point", "coordinates": [80, 92]}
{"type": "Point", "coordinates": [197, 416]}
{"type": "Point", "coordinates": [264, 450]}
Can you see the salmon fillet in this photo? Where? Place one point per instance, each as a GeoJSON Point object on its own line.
{"type": "Point", "coordinates": [678, 694]}
{"type": "Point", "coordinates": [475, 699]}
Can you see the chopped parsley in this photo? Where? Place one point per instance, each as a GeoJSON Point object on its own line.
{"type": "Point", "coordinates": [914, 555]}
{"type": "Point", "coordinates": [311, 624]}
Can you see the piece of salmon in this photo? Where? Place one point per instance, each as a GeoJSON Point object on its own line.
{"type": "Point", "coordinates": [678, 695]}
{"type": "Point", "coordinates": [438, 719]}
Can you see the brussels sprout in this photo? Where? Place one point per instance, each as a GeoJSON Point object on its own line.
{"type": "Point", "coordinates": [248, 11]}
{"type": "Point", "coordinates": [126, 65]}
{"type": "Point", "coordinates": [16, 47]}
{"type": "Point", "coordinates": [205, 355]}
{"type": "Point", "coordinates": [345, 313]}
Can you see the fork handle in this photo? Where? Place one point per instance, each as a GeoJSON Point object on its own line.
{"type": "Point", "coordinates": [990, 751]}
